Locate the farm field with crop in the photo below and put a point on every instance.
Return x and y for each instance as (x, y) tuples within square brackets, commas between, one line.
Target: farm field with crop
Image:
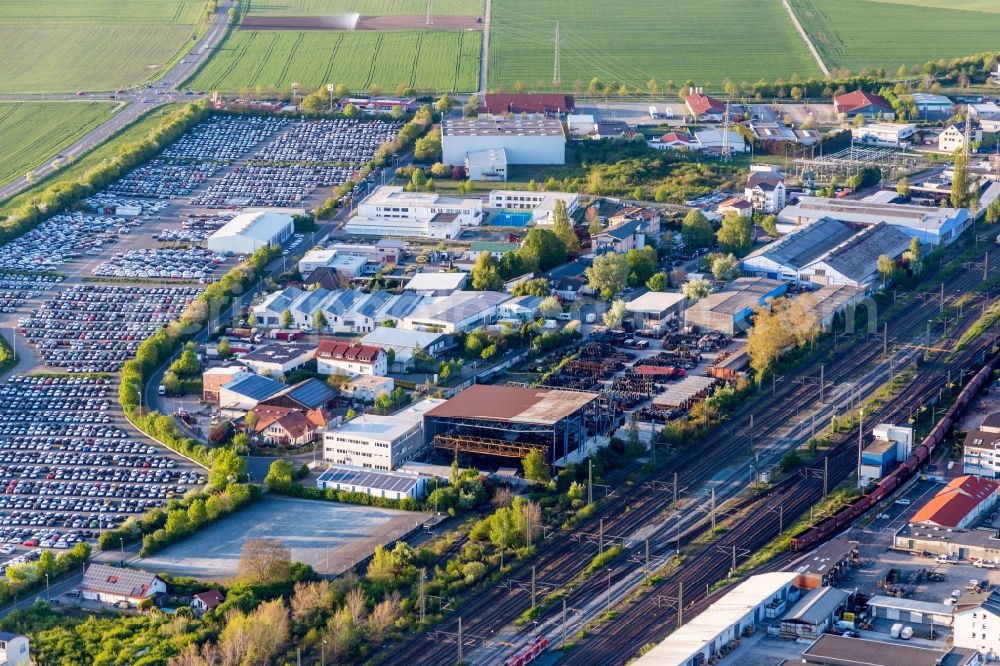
[(861, 34), (705, 41), (274, 59), (31, 132), (366, 7), (60, 46)]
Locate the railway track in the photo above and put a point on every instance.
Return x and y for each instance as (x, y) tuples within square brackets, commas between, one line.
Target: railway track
[(560, 560)]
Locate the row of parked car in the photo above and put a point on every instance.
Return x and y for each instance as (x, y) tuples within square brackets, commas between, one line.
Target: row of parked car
[(167, 264), (270, 185), (338, 141)]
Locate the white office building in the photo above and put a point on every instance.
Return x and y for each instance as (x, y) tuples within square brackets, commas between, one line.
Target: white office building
[(371, 441), (391, 211), (248, 232), (978, 627), (884, 134), (541, 204), (525, 140)]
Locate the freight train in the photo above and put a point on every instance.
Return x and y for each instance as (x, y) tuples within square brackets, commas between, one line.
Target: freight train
[(924, 452)]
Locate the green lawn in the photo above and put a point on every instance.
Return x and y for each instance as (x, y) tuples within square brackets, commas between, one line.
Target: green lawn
[(702, 40), (273, 59), (32, 132), (861, 34), (135, 131), (72, 45), (363, 7)]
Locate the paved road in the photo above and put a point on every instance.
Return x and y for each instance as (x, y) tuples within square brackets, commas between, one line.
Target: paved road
[(135, 102)]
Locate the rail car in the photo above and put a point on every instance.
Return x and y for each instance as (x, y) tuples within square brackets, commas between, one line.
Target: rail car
[(529, 653), (829, 526)]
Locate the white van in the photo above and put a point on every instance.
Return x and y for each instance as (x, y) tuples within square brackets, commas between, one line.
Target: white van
[(162, 390)]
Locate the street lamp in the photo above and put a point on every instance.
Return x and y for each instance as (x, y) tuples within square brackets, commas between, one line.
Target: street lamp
[(121, 540), (47, 597), (322, 653)]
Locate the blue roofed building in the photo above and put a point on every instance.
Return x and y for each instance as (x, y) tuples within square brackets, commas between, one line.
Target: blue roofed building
[(307, 395), (246, 393)]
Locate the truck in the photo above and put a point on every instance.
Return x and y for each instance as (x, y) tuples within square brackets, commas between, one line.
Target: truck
[(288, 335), (240, 332), (653, 113), (591, 318), (896, 630)]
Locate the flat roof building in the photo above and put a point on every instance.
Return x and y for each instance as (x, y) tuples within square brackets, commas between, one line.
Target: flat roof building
[(387, 485), (277, 359), (705, 635), (654, 309), (486, 165), (248, 232), (460, 311), (541, 204), (525, 140), (391, 211), (380, 442), (832, 650), (884, 134), (436, 284), (512, 421), (931, 225), (728, 310)]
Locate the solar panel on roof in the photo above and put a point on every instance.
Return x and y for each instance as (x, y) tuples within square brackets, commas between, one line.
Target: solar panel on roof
[(255, 387), (366, 479), (312, 393)]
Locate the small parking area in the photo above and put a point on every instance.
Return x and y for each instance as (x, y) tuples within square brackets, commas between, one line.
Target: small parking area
[(96, 328), (67, 466)]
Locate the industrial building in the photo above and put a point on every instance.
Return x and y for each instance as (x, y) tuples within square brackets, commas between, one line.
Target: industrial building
[(496, 248), (541, 204), (510, 422), (861, 102), (959, 504), (725, 621), (524, 139), (654, 309), (391, 211), (550, 103), (884, 134), (248, 232), (966, 545), (111, 585), (854, 262), (833, 650), (813, 614), (892, 445), (436, 284), (379, 442), (386, 485), (728, 310), (786, 257), (346, 310), (458, 312), (244, 393), (406, 344), (931, 225), (933, 107), (825, 565), (486, 165), (347, 265), (276, 359), (912, 611)]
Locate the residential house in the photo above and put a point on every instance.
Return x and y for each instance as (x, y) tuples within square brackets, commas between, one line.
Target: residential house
[(613, 129), (14, 649), (569, 281), (978, 627), (953, 137), (674, 141), (327, 278), (369, 387), (206, 601), (864, 103), (705, 109), (522, 308), (283, 426), (765, 188), (981, 453), (497, 249), (621, 239), (351, 359), (113, 585), (737, 205), (648, 217)]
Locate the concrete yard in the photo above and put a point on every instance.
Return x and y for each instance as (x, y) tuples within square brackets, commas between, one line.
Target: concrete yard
[(331, 537)]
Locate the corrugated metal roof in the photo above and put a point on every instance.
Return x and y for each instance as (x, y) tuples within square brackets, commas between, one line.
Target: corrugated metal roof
[(799, 248), (817, 606), (514, 404), (857, 257)]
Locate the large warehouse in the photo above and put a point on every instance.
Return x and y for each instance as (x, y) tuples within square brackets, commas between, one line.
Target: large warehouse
[(728, 310), (510, 422), (248, 232), (931, 225), (532, 140)]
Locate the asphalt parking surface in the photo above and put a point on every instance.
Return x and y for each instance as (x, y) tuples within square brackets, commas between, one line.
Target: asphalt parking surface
[(330, 537)]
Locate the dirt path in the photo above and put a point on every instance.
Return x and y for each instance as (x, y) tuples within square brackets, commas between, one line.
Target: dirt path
[(805, 37), (484, 59)]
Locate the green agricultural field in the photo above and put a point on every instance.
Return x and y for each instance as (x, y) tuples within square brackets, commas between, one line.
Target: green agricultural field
[(32, 132), (273, 59), (860, 34), (969, 5), (72, 45), (705, 41), (366, 7)]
